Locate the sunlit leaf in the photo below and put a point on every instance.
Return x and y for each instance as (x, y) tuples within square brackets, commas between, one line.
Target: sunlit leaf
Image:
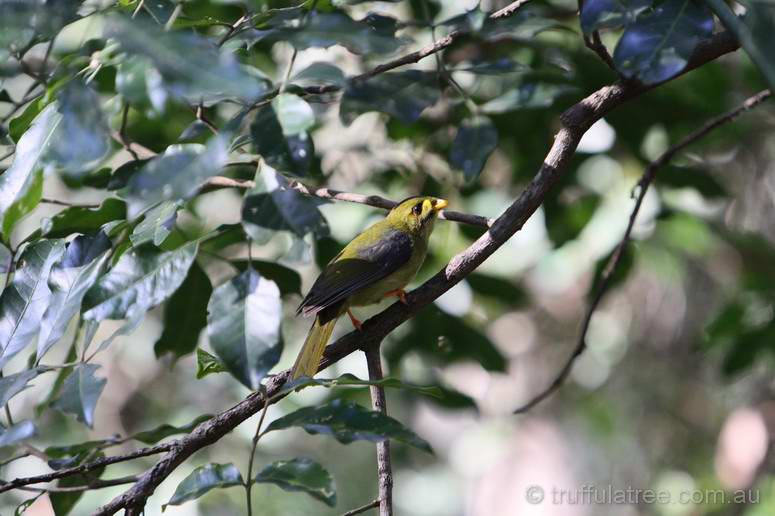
[(19, 432), (303, 475), (143, 278), (319, 74), (290, 153), (185, 315), (156, 225), (80, 393), (13, 384), (348, 422), (25, 300), (243, 325), (203, 479), (207, 364)]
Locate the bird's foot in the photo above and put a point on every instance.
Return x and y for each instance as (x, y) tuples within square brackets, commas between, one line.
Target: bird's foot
[(358, 324), (399, 293)]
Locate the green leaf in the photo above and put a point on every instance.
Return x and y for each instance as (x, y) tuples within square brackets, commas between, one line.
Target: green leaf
[(403, 95), (319, 74), (610, 14), (203, 479), (6, 259), (163, 431), (207, 364), (288, 280), (185, 315), (374, 34), (300, 474), (474, 142), (293, 113), (23, 303), (143, 278), (21, 186), (77, 219), (156, 225), (70, 278), (292, 153), (80, 393), (189, 66), (12, 385), (527, 96), (348, 380), (348, 422), (19, 125), (243, 325), (19, 432), (700, 180), (82, 137), (272, 205), (657, 46), (760, 20), (63, 503), (175, 175)]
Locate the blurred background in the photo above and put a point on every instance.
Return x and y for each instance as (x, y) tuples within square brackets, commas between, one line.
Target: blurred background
[(675, 389)]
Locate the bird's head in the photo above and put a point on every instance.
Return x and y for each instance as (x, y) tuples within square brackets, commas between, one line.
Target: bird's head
[(417, 214)]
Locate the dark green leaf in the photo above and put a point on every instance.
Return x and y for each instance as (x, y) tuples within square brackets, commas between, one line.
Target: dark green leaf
[(83, 220), (474, 142), (175, 175), (22, 304), (497, 288), (17, 433), (760, 20), (243, 325), (185, 314), (290, 153), (142, 278), (287, 279), (348, 422), (300, 474), (700, 180), (657, 45), (203, 479), (319, 74), (70, 278), (19, 125), (6, 260), (746, 347), (163, 431), (272, 205), (527, 96), (207, 364), (348, 380), (610, 14), (403, 95), (156, 225), (63, 503), (80, 393)]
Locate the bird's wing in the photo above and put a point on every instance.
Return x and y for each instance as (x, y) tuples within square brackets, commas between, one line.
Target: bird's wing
[(350, 272)]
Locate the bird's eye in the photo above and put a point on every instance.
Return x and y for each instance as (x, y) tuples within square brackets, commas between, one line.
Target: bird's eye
[(417, 208)]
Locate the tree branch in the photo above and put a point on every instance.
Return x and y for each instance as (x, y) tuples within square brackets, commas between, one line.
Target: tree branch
[(372, 504), (379, 403), (575, 121), (613, 262)]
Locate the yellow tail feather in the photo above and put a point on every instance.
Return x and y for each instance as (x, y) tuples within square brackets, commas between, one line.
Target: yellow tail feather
[(311, 352)]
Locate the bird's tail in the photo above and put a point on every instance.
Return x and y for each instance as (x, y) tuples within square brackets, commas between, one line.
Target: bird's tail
[(311, 352)]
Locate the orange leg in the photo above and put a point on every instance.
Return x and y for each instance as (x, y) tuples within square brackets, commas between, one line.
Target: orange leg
[(399, 293), (358, 324)]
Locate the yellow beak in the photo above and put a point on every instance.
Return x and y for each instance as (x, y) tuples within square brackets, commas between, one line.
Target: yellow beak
[(440, 204)]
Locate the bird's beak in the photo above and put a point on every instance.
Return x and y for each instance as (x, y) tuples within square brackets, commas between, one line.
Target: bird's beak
[(440, 204)]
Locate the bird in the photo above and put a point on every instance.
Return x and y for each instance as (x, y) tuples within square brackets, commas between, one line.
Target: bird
[(378, 263)]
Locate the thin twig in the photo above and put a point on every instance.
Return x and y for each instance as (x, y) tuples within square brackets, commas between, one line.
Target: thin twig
[(595, 44), (232, 29), (379, 403), (256, 437), (97, 484), (613, 262), (47, 200), (363, 508), (122, 136)]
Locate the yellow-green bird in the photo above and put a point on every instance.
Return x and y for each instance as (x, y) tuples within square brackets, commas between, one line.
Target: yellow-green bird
[(376, 264)]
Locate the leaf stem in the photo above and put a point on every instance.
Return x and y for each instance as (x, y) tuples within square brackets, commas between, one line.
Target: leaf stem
[(249, 477)]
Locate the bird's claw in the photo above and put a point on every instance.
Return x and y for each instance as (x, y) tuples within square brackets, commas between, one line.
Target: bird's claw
[(400, 294), (358, 324)]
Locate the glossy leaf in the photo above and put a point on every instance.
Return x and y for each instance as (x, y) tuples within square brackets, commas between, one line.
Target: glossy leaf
[(348, 422), (12, 385), (142, 278), (272, 205), (21, 186), (19, 432), (293, 113), (288, 280), (527, 96), (25, 300), (80, 393), (474, 142), (243, 325), (163, 431), (610, 14), (303, 475), (207, 364), (403, 95), (657, 47), (83, 261), (174, 175), (185, 315), (319, 74), (156, 225), (77, 219), (203, 479), (290, 153)]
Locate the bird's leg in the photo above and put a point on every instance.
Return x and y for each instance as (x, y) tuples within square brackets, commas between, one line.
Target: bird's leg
[(358, 324), (399, 293)]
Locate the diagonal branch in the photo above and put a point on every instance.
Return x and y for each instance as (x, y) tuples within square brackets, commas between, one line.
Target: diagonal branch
[(605, 279)]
